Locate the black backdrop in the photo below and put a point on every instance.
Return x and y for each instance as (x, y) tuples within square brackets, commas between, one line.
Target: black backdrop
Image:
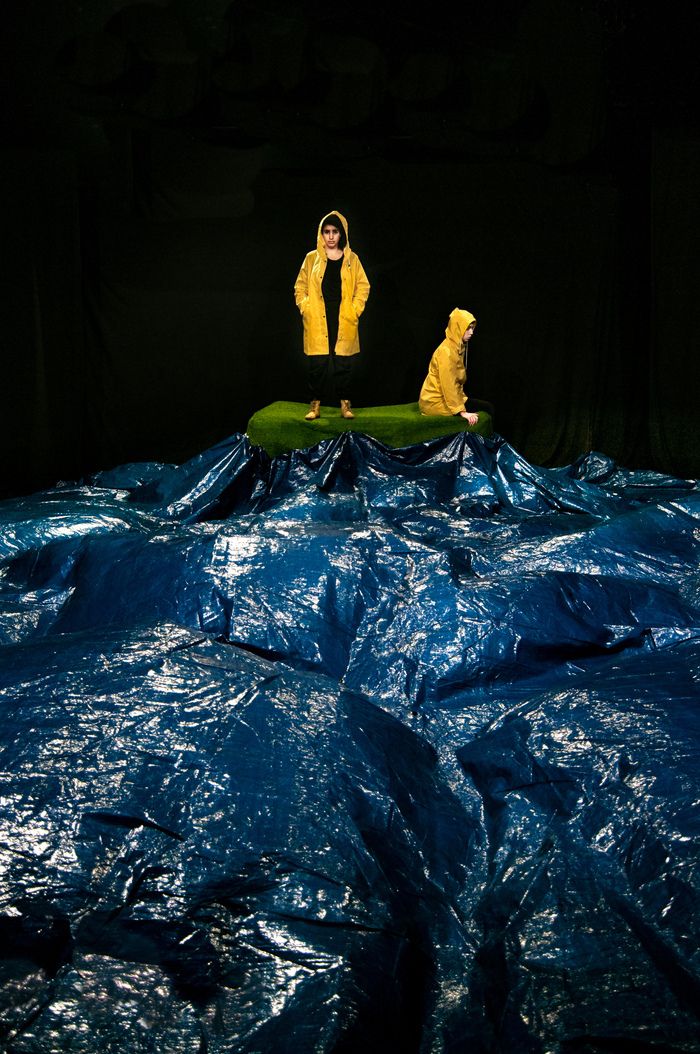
[(165, 165)]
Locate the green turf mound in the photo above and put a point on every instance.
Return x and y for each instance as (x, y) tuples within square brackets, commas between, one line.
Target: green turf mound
[(281, 426)]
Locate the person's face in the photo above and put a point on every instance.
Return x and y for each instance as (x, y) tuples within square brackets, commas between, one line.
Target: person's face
[(469, 333), (331, 236)]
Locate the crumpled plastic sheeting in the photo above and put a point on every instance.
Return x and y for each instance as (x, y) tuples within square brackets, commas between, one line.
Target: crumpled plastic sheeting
[(356, 748), (590, 807), (204, 845)]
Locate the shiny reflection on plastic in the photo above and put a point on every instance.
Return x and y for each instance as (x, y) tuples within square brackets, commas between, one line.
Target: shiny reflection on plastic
[(355, 748)]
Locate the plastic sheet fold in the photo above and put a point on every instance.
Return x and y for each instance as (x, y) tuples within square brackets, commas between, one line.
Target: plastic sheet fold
[(351, 749)]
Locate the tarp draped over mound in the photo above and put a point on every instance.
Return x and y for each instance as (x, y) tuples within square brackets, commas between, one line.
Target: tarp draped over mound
[(352, 749)]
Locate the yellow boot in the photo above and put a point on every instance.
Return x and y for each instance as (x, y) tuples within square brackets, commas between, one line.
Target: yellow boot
[(345, 410), (314, 410)]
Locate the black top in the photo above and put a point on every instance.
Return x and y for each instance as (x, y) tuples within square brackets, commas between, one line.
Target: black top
[(330, 286)]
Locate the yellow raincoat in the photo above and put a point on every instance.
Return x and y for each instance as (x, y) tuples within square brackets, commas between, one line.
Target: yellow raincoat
[(443, 392), (309, 298)]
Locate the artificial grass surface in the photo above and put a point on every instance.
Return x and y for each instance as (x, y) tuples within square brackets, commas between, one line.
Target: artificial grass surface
[(280, 426)]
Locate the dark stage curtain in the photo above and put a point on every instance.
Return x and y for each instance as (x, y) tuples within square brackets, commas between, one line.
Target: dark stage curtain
[(167, 168), (45, 386), (675, 364)]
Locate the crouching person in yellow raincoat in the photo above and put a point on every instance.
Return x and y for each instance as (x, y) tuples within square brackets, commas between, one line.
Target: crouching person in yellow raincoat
[(443, 391), (331, 291)]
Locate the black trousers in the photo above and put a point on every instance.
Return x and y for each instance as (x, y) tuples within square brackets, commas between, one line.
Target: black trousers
[(329, 377), (474, 405)]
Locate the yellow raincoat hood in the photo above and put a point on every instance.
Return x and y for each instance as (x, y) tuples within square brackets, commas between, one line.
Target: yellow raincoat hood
[(320, 246), (459, 322)]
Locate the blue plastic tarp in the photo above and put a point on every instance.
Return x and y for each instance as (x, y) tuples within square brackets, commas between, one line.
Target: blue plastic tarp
[(351, 749)]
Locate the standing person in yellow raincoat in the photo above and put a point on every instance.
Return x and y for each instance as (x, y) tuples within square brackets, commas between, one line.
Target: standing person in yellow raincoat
[(331, 291), (443, 392)]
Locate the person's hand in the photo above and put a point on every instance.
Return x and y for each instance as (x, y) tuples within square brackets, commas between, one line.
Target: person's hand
[(471, 419)]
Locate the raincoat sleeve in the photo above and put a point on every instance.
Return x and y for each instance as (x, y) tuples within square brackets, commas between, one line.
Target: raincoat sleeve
[(450, 383), (301, 286), (361, 290)]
